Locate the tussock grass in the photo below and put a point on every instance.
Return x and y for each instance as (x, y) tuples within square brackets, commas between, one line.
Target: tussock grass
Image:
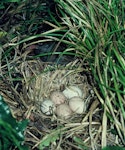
[(95, 31)]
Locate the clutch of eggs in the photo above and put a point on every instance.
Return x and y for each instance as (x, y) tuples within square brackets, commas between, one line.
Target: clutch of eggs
[(57, 103)]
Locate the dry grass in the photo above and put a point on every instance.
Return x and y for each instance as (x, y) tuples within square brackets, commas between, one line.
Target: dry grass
[(37, 81)]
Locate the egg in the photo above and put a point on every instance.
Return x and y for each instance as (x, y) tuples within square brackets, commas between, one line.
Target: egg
[(72, 91), (63, 111), (48, 107), (77, 105), (58, 97)]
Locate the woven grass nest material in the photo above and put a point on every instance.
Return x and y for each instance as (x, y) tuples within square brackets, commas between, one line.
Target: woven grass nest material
[(40, 83)]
